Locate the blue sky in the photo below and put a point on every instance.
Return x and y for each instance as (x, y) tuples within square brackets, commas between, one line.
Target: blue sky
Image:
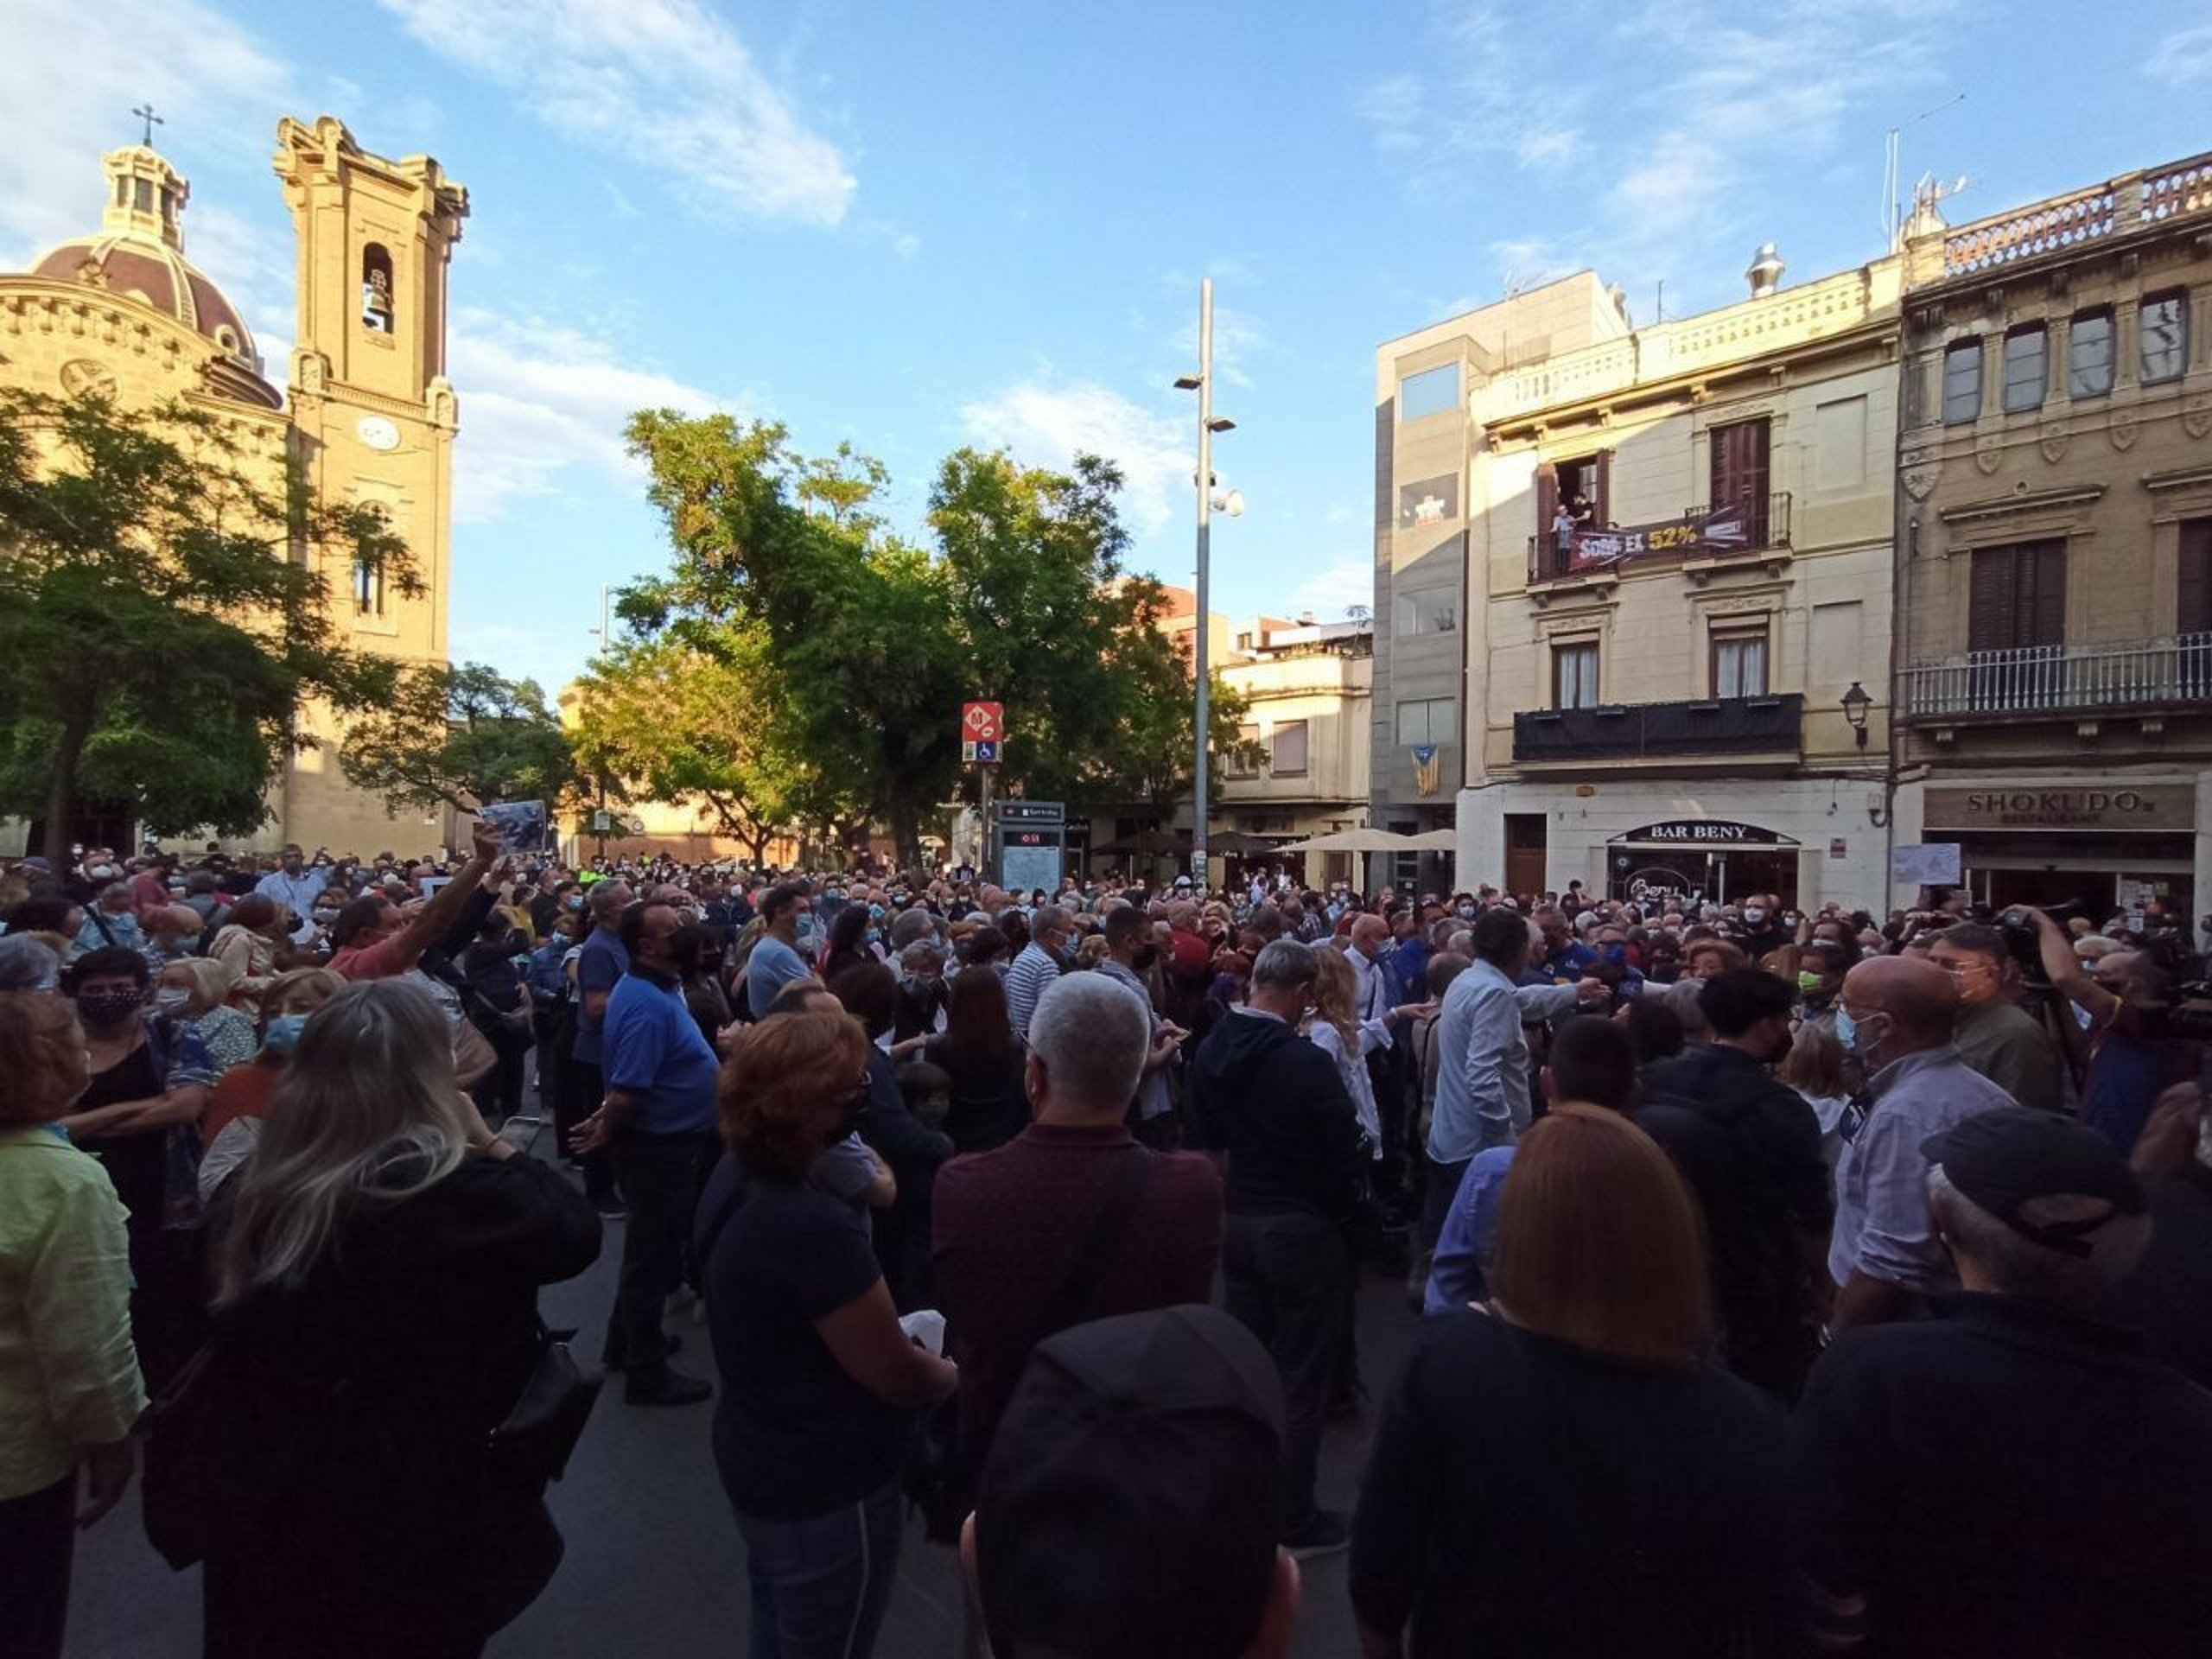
[(917, 226)]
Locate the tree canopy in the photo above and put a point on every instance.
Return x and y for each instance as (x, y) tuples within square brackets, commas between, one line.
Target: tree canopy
[(460, 736), (864, 644), (164, 615)]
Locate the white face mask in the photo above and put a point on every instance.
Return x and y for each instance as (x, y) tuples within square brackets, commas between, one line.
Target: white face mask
[(171, 999)]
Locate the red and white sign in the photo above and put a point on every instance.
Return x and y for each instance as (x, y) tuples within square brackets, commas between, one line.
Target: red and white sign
[(981, 723)]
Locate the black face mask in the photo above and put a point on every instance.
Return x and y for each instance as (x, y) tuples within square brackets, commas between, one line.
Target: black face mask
[(1145, 956)]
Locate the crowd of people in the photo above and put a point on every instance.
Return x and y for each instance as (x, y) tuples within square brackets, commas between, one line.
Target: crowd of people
[(1790, 1279)]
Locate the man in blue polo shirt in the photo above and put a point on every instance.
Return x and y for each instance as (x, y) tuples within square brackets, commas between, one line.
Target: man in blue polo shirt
[(657, 1123)]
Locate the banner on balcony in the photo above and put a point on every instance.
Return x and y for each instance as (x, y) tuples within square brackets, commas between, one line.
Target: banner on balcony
[(1425, 769), (1724, 530)]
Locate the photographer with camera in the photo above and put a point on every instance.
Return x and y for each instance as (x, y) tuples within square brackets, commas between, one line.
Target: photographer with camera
[(1996, 1036), (2136, 1050)]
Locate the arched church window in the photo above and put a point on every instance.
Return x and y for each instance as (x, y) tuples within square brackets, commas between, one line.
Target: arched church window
[(376, 289)]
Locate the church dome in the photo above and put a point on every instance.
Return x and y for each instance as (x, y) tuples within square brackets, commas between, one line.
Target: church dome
[(139, 253), (160, 276)]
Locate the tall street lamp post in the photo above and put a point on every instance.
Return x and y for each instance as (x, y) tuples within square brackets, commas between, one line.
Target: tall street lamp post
[(1209, 424)]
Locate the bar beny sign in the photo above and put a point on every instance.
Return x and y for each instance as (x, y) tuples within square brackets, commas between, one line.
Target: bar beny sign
[(1725, 530), (2145, 806)]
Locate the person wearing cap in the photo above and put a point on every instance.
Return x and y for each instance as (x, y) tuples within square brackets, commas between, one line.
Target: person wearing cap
[(1898, 1014), (1128, 1506), (2014, 1476)]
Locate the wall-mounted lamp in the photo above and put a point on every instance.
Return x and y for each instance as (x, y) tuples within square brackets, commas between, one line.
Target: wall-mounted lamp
[(1856, 702)]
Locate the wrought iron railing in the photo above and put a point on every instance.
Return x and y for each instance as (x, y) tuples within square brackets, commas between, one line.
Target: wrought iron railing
[(1767, 725), (2060, 680)]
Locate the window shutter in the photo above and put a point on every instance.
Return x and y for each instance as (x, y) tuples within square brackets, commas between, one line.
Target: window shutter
[(1989, 611), (2193, 609), (1603, 506), (2046, 623), (1547, 501)]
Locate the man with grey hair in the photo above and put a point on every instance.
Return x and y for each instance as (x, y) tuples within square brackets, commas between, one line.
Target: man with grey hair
[(1278, 1107), (1072, 1220), (1042, 960), (2013, 1475)]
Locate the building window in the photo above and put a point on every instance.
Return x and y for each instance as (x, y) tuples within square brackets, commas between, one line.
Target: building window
[(1432, 611), (2089, 355), (376, 289), (368, 586), (1244, 760), (2193, 613), (1287, 754), (2018, 597), (1963, 382), (1430, 392), (2027, 367), (1424, 721), (1429, 501), (1575, 675), (1740, 474), (1739, 664), (2162, 327), (142, 195)]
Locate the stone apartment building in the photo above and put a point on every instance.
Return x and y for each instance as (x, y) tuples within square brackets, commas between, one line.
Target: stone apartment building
[(2054, 694), (1676, 564)]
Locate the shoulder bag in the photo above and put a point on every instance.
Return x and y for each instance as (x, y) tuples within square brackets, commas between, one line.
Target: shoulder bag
[(532, 1445)]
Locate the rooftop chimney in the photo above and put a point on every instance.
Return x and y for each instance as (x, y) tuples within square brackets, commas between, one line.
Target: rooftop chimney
[(1764, 273)]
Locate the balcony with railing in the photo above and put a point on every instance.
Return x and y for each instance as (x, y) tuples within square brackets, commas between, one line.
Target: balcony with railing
[(1660, 731), (1763, 528), (2035, 681), (2096, 214)]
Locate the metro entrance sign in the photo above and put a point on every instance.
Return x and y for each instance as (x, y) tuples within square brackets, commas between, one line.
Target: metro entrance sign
[(983, 729)]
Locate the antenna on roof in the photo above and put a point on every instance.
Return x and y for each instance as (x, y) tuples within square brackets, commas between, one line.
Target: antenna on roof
[(1892, 214)]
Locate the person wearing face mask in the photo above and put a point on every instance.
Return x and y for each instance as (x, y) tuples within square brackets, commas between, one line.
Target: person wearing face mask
[(1996, 1036), (1899, 1015), (231, 1127), (1132, 953), (140, 1117), (195, 992), (111, 920), (1749, 1148), (1051, 932), (172, 934), (655, 1124)]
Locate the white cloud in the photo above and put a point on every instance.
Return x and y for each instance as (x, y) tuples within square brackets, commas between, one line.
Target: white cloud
[(664, 83), (68, 93), (1046, 425), (1328, 592), (539, 398), (2183, 56)]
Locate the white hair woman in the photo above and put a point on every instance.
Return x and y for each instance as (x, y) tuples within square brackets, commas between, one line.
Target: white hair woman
[(376, 1316), (195, 991)]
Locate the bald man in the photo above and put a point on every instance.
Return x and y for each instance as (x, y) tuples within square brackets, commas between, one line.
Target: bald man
[(1898, 1014)]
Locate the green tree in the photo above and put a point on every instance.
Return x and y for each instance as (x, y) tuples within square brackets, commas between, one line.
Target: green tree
[(666, 720), (164, 616), (460, 736)]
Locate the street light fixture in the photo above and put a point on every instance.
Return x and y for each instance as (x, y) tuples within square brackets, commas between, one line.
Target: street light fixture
[(1856, 702), (1209, 424)]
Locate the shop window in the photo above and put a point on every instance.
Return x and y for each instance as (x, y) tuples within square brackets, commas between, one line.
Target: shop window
[(2027, 367), (1739, 663), (1432, 611), (1575, 675), (1428, 501), (1739, 473), (1431, 392), (1243, 761), (2089, 355), (1963, 382), (376, 289), (1424, 721), (1287, 754), (2161, 328)]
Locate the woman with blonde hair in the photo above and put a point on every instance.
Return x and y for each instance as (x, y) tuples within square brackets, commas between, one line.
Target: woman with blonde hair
[(246, 942), (376, 1318), (195, 992), (1814, 1067), (231, 1124), (820, 1385), (1564, 1472), (1338, 1032)]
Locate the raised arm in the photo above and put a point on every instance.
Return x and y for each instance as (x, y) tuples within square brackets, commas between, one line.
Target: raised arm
[(428, 924)]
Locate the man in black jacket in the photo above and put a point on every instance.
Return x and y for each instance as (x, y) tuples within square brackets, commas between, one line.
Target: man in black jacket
[(1750, 1148), (1277, 1106)]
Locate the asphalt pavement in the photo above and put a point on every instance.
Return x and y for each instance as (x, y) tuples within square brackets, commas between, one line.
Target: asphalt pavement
[(654, 1564)]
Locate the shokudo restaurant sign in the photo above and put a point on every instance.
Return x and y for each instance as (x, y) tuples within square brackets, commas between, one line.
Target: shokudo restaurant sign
[(1724, 530), (2144, 806)]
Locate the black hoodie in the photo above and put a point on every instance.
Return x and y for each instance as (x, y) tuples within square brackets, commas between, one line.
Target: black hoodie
[(1275, 1104)]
